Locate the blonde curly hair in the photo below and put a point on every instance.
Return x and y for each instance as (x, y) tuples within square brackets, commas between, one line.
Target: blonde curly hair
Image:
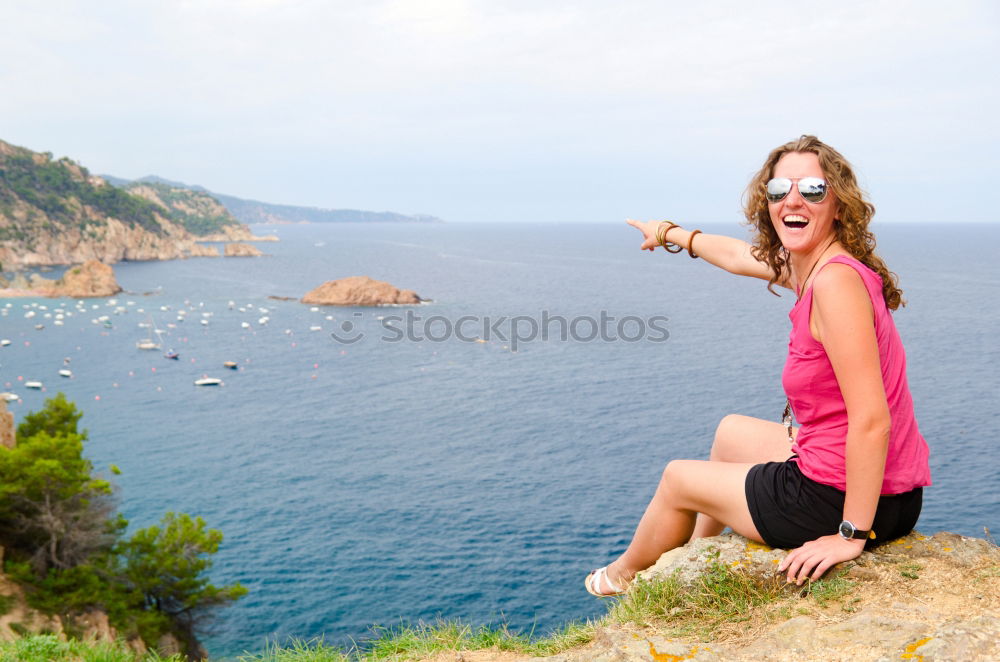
[(851, 224)]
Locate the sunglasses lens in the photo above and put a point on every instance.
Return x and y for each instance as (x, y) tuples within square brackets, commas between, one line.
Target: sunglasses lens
[(812, 189), (778, 188)]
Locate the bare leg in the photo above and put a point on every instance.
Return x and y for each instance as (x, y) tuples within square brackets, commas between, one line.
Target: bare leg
[(697, 498), (688, 487), (748, 440)]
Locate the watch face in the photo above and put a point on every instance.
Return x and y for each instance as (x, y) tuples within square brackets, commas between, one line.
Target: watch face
[(846, 529)]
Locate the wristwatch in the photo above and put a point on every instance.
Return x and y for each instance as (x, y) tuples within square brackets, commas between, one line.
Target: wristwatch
[(848, 531)]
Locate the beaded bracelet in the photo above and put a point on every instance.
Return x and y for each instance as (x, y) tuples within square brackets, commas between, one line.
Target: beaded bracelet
[(661, 237), (691, 243)]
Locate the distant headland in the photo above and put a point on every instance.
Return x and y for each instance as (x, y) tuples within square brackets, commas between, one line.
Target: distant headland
[(255, 211), (55, 212)]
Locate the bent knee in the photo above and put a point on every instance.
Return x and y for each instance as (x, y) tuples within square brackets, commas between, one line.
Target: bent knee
[(730, 431), (677, 472)]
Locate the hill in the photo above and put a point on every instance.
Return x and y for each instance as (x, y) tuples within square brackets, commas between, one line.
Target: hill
[(255, 211), (54, 211), (197, 212)]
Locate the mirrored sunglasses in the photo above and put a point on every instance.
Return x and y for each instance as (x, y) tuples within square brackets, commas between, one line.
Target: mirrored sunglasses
[(812, 189)]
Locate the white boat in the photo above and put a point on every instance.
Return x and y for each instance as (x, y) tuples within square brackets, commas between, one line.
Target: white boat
[(66, 372), (35, 385), (149, 343), (208, 381), (7, 396), (4, 342)]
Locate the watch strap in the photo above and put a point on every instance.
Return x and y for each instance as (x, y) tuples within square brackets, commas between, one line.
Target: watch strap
[(856, 533)]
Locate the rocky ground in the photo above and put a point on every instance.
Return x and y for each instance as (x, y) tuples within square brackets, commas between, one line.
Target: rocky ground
[(918, 598)]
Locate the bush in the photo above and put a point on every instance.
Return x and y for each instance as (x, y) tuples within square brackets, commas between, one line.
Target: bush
[(64, 541)]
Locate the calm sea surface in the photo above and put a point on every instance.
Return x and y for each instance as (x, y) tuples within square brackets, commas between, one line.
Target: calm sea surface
[(381, 480)]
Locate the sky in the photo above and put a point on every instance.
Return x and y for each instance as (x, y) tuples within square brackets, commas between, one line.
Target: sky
[(510, 110)]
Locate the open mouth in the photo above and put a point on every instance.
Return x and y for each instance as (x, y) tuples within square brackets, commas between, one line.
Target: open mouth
[(793, 221)]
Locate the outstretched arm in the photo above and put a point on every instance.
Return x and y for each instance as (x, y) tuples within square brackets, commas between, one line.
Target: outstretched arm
[(727, 253), (844, 323)]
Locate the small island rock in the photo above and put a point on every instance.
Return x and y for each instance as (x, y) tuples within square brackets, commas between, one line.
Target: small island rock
[(238, 249), (202, 250), (91, 279), (359, 291)]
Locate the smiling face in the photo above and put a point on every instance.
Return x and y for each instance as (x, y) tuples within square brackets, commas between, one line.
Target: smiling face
[(801, 225)]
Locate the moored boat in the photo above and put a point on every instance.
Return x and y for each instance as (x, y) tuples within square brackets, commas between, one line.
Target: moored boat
[(208, 381)]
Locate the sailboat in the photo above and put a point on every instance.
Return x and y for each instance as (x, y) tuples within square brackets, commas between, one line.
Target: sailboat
[(149, 343)]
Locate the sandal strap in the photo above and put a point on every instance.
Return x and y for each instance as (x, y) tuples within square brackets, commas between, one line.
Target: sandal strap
[(602, 574)]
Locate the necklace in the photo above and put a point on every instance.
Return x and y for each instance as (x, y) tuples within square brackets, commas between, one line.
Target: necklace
[(802, 288), (786, 416)]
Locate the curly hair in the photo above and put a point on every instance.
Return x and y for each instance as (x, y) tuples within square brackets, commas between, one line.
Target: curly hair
[(851, 225)]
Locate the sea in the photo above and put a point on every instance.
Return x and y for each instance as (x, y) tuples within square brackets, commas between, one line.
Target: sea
[(472, 457)]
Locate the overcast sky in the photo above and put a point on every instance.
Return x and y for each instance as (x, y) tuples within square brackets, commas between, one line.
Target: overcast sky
[(506, 110)]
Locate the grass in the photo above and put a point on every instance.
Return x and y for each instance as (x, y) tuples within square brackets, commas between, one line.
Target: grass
[(831, 589), (414, 642), (723, 600), (48, 648), (720, 596)]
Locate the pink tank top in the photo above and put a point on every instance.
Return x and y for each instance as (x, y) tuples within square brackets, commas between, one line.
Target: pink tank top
[(819, 408)]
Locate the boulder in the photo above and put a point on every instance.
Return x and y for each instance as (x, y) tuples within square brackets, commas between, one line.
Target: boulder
[(91, 279), (359, 291)]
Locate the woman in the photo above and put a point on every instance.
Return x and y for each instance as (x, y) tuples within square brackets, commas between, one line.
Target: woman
[(852, 474)]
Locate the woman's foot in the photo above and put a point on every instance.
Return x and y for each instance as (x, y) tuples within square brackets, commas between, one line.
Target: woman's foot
[(599, 583)]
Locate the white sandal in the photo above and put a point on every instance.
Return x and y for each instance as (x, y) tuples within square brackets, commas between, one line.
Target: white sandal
[(594, 580)]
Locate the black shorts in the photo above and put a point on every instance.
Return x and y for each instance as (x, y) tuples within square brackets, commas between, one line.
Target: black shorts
[(790, 509)]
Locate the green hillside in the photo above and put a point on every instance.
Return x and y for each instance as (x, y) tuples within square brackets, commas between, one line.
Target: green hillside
[(196, 211), (41, 194)]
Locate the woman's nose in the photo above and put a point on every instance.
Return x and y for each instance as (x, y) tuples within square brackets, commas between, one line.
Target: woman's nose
[(794, 199)]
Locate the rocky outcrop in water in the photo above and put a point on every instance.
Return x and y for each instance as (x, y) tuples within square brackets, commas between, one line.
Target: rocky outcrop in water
[(242, 250), (91, 279), (359, 291), (202, 250)]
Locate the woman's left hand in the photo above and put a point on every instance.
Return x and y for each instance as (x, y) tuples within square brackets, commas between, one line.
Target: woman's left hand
[(815, 557)]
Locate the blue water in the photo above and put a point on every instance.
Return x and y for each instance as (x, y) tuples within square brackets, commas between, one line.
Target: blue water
[(377, 481)]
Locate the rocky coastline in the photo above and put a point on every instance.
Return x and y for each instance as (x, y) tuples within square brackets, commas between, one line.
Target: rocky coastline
[(91, 279)]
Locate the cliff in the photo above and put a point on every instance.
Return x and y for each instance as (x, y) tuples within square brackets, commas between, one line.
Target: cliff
[(19, 620), (53, 212), (917, 598)]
